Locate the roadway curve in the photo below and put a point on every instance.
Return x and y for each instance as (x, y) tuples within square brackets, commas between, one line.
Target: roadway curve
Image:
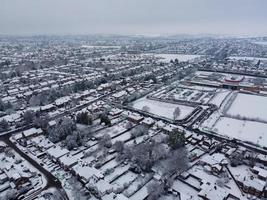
[(52, 181)]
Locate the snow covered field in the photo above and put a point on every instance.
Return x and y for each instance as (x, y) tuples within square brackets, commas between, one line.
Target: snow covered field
[(162, 109), (261, 43), (169, 57), (246, 58), (249, 106), (99, 47), (254, 132), (243, 106), (180, 57)]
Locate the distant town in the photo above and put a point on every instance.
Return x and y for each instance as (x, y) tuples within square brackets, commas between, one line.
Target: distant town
[(115, 117)]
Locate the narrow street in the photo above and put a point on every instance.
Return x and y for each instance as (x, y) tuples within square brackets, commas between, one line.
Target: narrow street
[(52, 181)]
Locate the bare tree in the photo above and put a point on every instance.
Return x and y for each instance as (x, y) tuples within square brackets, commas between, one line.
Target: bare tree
[(4, 125), (8, 152), (42, 122), (155, 190), (146, 108), (28, 117), (73, 140), (64, 127), (105, 119), (119, 146), (176, 162), (105, 141), (5, 106), (146, 154), (176, 139), (139, 131), (129, 125), (176, 113), (10, 194), (84, 118)]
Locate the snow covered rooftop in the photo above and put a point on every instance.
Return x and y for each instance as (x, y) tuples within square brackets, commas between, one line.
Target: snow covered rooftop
[(56, 151), (87, 172), (32, 131)]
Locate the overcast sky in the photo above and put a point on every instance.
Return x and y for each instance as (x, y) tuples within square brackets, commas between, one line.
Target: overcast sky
[(149, 17)]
